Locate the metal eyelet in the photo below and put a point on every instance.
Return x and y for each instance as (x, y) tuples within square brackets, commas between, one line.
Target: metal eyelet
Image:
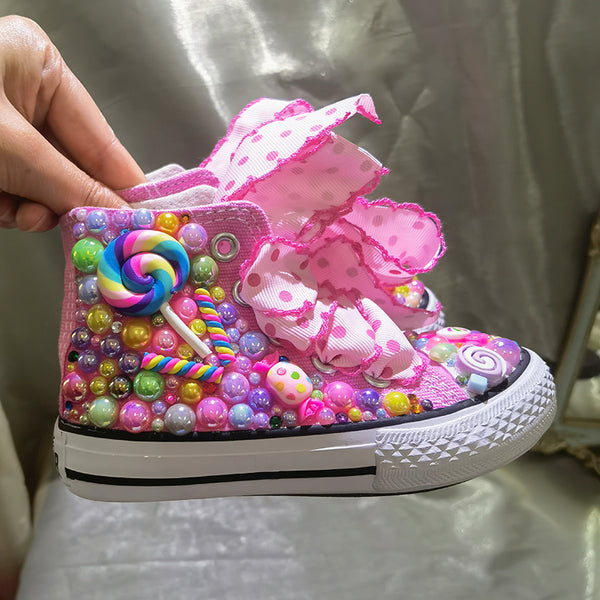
[(378, 383), (233, 250), (323, 367), (235, 292)]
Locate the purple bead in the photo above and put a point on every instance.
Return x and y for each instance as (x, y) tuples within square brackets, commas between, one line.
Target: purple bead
[(368, 399), (254, 378), (260, 421), (193, 237), (234, 387), (254, 345), (79, 230), (233, 334), (339, 394), (159, 407), (228, 313), (81, 338), (242, 325), (88, 361), (142, 219), (121, 218), (129, 363), (341, 417), (426, 404), (110, 346), (243, 364), (507, 349), (211, 413), (87, 290), (261, 399), (96, 221)]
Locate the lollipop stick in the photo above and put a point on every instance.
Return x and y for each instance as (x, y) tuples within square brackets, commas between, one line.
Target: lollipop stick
[(182, 329)]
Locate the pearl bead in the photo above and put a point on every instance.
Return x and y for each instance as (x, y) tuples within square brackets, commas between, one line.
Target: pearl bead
[(86, 254), (103, 412), (134, 416), (396, 403), (148, 385), (211, 413)]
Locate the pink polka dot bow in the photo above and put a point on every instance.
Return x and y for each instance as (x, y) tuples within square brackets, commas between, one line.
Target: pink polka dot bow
[(323, 280)]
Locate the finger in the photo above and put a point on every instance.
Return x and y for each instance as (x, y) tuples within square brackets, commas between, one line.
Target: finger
[(8, 211), (32, 168), (83, 131), (34, 217)]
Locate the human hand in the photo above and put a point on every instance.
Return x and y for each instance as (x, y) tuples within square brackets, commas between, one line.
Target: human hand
[(44, 107)]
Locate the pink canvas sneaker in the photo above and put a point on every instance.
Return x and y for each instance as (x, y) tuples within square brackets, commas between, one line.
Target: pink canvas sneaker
[(255, 326)]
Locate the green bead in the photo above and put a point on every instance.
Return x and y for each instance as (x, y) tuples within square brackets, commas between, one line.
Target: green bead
[(442, 352), (73, 356), (103, 412), (275, 422), (204, 270), (148, 385), (317, 395), (86, 254)]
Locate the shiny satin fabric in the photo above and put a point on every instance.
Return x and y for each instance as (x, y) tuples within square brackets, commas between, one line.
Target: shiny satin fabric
[(489, 116)]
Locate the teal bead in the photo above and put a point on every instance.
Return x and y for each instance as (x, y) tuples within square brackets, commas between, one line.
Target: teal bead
[(148, 385), (86, 254), (204, 270), (103, 412), (442, 352)]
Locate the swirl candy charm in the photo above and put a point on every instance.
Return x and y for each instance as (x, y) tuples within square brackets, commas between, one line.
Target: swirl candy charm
[(182, 368), (140, 271), (214, 326), (483, 362)]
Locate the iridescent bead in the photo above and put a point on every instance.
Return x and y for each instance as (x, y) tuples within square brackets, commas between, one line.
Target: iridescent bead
[(254, 378), (242, 325), (88, 361), (80, 214), (190, 392), (193, 237), (289, 418), (103, 412), (355, 414), (339, 395), (80, 315), (129, 363), (87, 290), (96, 221), (341, 417), (171, 382), (99, 318), (98, 386), (116, 327), (235, 347), (234, 387), (240, 416), (510, 351), (380, 413), (110, 346), (275, 421), (427, 404), (157, 320), (396, 403), (368, 399), (233, 334), (211, 413), (84, 420), (185, 308), (413, 299), (168, 223), (243, 364), (108, 368), (462, 379), (416, 286), (254, 345), (368, 416), (159, 407), (260, 399), (185, 351), (79, 231), (180, 419), (217, 294), (148, 385), (164, 341), (171, 398), (228, 313), (198, 326), (74, 387), (317, 381), (73, 356), (81, 338), (442, 352), (203, 270), (157, 425), (326, 417), (260, 421), (86, 254), (120, 387), (142, 218), (108, 237), (134, 416), (317, 395), (136, 333), (121, 218)]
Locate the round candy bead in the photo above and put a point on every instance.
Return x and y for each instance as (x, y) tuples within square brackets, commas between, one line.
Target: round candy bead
[(260, 421), (317, 395), (217, 294), (103, 412), (203, 270), (129, 363), (193, 237), (167, 222), (157, 425), (339, 395), (234, 387), (74, 387), (79, 230), (477, 337), (136, 333), (159, 407), (233, 334), (98, 386), (510, 351), (368, 399), (254, 345), (99, 318), (120, 387), (396, 403), (190, 392), (81, 338), (80, 314), (142, 218), (108, 368), (442, 352), (88, 360), (242, 325), (416, 286), (121, 218), (243, 364), (96, 221), (355, 414), (289, 383), (211, 413), (240, 416), (86, 254), (164, 341), (228, 313), (185, 308), (254, 378), (198, 326), (110, 346), (134, 416), (326, 417), (87, 290), (180, 419), (275, 421), (260, 399), (148, 385), (185, 351)]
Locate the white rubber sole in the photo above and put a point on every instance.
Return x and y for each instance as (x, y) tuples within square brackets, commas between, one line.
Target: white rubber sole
[(409, 457)]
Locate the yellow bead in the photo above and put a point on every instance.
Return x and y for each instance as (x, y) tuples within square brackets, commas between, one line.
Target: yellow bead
[(136, 333), (98, 386), (355, 414), (198, 326), (401, 290), (396, 403), (99, 318), (108, 368), (70, 367), (217, 294), (185, 351), (167, 222), (190, 392)]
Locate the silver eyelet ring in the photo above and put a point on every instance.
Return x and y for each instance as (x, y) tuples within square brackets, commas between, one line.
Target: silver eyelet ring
[(235, 292), (321, 366), (378, 383), (233, 250)]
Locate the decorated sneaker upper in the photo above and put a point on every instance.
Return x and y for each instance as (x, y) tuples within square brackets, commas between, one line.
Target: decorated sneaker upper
[(184, 318)]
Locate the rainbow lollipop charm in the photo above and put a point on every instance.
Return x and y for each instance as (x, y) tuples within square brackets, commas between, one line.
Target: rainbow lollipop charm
[(140, 271), (217, 334)]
